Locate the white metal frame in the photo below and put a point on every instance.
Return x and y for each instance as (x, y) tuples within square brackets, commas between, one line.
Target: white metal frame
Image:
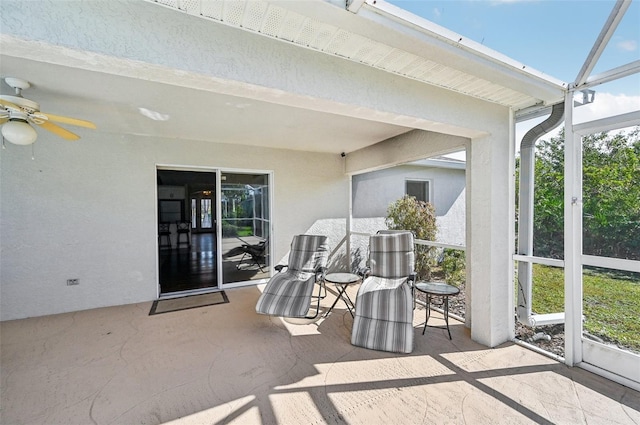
[(618, 365), (221, 171), (613, 363)]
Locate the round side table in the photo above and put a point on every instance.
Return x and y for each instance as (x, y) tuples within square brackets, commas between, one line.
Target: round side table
[(343, 280), (437, 289)]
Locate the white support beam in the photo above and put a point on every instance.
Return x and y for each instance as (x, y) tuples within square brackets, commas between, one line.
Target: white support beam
[(606, 124), (572, 238), (613, 74), (608, 29)]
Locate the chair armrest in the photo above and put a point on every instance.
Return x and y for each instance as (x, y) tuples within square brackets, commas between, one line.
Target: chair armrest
[(280, 267), (364, 271), (320, 273)]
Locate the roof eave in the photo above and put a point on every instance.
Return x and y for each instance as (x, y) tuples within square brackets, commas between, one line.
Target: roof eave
[(480, 60)]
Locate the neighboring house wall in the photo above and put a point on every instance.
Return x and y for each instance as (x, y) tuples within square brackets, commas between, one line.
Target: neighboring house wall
[(373, 192), (87, 210)]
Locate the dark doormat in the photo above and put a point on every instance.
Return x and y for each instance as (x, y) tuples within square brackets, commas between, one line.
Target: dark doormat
[(185, 303)]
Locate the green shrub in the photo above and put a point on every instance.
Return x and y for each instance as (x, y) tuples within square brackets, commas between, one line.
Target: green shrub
[(453, 265), (419, 217)]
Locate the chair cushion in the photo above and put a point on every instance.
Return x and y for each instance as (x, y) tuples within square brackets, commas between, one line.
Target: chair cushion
[(308, 252), (391, 255), (384, 315), (396, 337), (385, 299), (287, 294)]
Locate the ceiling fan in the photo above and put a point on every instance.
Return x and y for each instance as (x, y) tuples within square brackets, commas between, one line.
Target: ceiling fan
[(17, 113)]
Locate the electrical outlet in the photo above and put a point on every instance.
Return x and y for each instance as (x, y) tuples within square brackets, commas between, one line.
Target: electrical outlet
[(71, 282)]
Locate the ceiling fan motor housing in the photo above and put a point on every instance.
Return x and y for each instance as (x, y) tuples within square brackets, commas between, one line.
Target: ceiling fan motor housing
[(28, 106)]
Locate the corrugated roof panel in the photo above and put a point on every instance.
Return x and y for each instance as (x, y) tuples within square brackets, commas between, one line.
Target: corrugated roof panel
[(308, 32), (372, 52), (192, 7), (291, 26), (254, 15), (337, 44), (324, 35), (273, 20), (412, 66), (388, 59), (400, 61), (233, 11), (170, 3), (212, 9)]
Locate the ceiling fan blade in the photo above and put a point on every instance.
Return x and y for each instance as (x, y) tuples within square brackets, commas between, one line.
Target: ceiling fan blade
[(4, 120), (59, 131), (69, 120), (12, 105)]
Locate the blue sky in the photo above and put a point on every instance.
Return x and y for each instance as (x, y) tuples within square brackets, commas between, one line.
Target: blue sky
[(551, 36)]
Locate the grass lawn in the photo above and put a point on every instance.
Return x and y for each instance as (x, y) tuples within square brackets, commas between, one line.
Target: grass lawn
[(611, 302), (245, 231)]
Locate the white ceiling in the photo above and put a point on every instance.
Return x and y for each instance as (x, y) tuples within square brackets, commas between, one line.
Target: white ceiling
[(112, 102)]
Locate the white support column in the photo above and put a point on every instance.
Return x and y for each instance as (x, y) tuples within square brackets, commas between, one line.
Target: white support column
[(349, 226), (490, 237), (572, 238)]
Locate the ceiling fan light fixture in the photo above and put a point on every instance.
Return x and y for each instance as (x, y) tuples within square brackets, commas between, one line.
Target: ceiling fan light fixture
[(19, 132)]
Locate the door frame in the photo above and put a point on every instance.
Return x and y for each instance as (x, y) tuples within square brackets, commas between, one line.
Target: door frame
[(270, 182), (218, 171)]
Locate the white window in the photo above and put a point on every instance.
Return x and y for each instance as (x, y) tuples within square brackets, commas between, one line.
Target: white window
[(420, 189)]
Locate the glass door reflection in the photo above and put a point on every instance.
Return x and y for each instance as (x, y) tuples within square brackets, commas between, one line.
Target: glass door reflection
[(244, 208)]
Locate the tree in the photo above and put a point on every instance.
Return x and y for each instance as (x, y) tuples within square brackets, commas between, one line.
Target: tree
[(611, 195), (419, 217)]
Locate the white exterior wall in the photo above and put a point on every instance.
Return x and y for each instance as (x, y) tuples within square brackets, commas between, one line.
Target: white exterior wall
[(87, 210)]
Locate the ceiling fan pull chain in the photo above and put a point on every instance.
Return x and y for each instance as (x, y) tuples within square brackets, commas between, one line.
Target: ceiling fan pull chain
[(33, 151), (3, 147)]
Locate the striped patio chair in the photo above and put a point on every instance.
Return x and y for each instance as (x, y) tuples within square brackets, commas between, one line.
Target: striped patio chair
[(289, 292), (384, 303)]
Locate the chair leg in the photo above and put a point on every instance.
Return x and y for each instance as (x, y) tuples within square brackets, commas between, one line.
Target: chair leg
[(319, 297), (241, 260), (254, 259), (257, 261)]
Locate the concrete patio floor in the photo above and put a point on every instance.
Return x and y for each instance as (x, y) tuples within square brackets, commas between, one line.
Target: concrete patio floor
[(226, 364)]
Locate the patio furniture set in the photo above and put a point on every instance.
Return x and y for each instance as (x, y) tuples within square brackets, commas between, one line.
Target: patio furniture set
[(384, 304)]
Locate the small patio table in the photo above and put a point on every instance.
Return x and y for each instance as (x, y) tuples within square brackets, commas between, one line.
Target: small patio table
[(343, 280), (437, 289)]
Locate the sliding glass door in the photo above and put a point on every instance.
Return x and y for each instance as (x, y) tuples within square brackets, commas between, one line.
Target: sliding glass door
[(245, 226)]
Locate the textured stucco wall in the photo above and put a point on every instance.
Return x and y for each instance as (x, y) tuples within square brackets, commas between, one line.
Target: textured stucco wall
[(373, 192), (87, 210)]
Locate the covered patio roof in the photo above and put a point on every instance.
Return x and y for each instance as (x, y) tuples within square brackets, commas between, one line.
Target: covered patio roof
[(226, 364), (161, 71)]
